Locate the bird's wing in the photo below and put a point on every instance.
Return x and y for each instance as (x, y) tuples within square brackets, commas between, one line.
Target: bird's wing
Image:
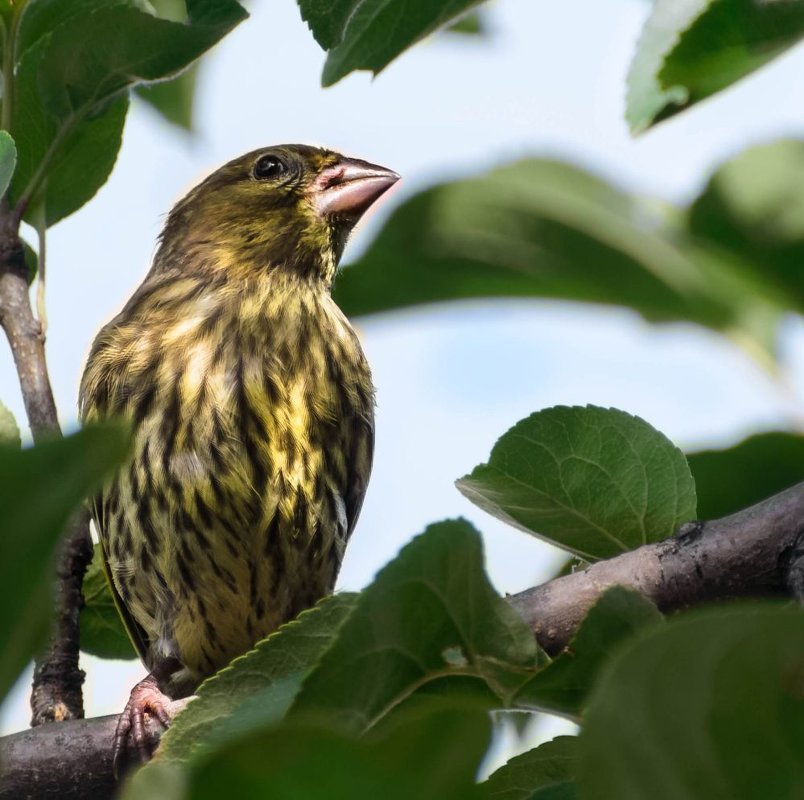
[(359, 470), (136, 634)]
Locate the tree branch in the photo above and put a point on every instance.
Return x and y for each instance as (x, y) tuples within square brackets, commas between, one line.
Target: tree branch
[(752, 552), (745, 554), (71, 761), (57, 678)]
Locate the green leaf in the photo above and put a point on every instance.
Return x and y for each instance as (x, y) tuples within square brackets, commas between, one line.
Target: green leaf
[(39, 489), (688, 51), (594, 481), (174, 99), (86, 152), (72, 86), (8, 160), (9, 430), (739, 476), (122, 46), (754, 205), (563, 686), (539, 228), (544, 773), (42, 17), (429, 615), (708, 706), (428, 756), (369, 34), (257, 688), (102, 631)]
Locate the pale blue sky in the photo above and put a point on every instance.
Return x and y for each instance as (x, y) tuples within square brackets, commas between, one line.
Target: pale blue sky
[(548, 81)]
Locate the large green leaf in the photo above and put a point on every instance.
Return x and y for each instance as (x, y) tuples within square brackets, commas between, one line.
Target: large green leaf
[(544, 773), (39, 489), (83, 159), (256, 689), (429, 755), (72, 84), (430, 615), (739, 476), (709, 706), (102, 631), (369, 34), (540, 228), (594, 481), (563, 686), (754, 205), (688, 51)]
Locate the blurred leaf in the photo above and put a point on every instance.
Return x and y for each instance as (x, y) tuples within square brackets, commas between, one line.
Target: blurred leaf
[(427, 756), (539, 228), (39, 489), (594, 481), (102, 631), (369, 34), (173, 99), (9, 430), (737, 477), (72, 87), (471, 24), (563, 686), (257, 688), (688, 51), (754, 205), (708, 706), (8, 160), (430, 614), (543, 773)]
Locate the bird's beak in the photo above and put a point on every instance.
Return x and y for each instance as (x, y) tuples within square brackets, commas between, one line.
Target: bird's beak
[(349, 187)]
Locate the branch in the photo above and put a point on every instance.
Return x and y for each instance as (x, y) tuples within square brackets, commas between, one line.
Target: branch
[(746, 554), (753, 552), (71, 761), (57, 679)]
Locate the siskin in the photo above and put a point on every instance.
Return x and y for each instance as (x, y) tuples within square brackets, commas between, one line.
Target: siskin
[(253, 411)]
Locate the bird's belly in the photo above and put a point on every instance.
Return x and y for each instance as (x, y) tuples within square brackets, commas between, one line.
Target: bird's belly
[(227, 526)]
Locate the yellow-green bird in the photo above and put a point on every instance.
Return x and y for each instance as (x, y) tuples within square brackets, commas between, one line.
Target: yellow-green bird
[(253, 411)]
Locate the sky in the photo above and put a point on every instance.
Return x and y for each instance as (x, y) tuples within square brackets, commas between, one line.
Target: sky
[(548, 80)]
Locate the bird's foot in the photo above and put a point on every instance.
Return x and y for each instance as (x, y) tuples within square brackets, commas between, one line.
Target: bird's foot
[(146, 699)]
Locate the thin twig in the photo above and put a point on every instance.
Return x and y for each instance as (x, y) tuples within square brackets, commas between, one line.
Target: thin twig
[(57, 678)]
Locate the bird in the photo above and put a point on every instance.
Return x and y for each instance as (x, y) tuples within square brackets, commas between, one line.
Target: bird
[(252, 409)]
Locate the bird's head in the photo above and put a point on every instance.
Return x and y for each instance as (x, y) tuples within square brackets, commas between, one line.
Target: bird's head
[(289, 207)]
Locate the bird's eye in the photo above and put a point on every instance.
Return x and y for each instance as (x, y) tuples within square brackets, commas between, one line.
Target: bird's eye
[(268, 167)]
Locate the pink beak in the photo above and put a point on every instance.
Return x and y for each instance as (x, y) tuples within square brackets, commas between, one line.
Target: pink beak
[(349, 187)]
